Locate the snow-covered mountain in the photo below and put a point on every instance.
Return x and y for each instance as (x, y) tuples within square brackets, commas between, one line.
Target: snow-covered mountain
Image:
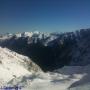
[(13, 65), (19, 71), (51, 50)]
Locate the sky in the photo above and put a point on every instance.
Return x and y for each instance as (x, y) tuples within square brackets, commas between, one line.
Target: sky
[(44, 15)]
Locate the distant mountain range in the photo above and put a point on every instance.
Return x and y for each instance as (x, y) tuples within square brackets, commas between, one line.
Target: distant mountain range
[(51, 50)]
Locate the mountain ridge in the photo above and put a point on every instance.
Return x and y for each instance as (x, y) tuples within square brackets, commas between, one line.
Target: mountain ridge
[(54, 50)]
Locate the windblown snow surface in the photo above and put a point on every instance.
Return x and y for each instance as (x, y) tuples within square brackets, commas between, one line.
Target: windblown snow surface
[(16, 69)]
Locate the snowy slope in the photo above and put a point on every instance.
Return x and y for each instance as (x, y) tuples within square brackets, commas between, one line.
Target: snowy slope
[(15, 70), (13, 65), (67, 78)]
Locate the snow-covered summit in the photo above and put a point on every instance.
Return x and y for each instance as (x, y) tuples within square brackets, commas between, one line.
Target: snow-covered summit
[(35, 34)]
